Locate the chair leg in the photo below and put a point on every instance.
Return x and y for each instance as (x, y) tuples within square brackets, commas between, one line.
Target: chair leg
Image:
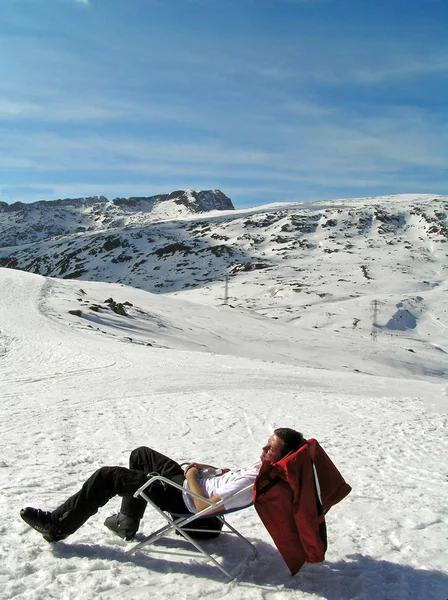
[(207, 555), (173, 525), (163, 531), (151, 538), (179, 525), (236, 532)]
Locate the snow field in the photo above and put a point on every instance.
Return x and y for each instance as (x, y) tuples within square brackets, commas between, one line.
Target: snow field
[(75, 398)]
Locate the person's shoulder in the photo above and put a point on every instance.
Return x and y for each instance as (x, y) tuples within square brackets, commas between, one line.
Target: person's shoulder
[(252, 470), (255, 465)]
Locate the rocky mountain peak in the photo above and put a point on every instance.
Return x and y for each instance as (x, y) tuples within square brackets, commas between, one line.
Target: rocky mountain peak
[(22, 223), (45, 205), (195, 202)]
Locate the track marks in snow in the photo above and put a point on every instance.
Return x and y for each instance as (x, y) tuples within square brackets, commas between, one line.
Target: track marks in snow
[(75, 402)]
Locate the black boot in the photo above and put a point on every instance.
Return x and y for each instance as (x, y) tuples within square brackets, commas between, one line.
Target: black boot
[(42, 521), (123, 525)]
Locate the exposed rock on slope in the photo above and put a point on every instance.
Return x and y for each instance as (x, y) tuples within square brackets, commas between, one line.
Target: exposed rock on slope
[(26, 223), (302, 252)]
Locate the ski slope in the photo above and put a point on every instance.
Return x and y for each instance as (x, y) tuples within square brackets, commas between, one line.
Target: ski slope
[(211, 383)]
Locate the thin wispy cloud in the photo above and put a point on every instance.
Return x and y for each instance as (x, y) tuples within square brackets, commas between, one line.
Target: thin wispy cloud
[(397, 68), (272, 100)]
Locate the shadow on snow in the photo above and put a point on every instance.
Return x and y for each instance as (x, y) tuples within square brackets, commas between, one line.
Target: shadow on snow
[(355, 577)]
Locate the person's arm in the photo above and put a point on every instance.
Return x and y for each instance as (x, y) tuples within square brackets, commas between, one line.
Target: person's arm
[(193, 486), (202, 466)]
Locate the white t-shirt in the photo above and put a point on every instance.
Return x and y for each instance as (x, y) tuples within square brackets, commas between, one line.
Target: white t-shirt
[(224, 486)]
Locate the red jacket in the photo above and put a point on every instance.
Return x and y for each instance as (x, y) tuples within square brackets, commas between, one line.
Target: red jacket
[(291, 497)]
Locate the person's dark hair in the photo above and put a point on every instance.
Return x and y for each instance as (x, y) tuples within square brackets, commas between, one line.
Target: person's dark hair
[(292, 439)]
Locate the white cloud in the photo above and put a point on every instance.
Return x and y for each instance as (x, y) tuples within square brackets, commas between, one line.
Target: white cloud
[(382, 69), (367, 152), (11, 109)]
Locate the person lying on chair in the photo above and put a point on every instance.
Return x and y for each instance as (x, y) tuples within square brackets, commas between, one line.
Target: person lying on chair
[(107, 482)]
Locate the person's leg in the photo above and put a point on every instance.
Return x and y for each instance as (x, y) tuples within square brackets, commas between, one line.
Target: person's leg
[(147, 460), (96, 491), (150, 461), (99, 488), (103, 485)]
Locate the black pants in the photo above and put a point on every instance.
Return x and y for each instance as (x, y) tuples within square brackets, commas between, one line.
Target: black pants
[(108, 482)]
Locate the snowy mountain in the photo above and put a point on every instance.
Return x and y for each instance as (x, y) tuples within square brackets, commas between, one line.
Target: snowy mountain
[(26, 223), (373, 266), (335, 324), (161, 244)]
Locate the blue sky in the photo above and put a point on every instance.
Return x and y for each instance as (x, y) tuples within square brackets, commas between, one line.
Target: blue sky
[(267, 100)]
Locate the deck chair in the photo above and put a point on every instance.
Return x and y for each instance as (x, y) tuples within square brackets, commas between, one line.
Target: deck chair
[(184, 524)]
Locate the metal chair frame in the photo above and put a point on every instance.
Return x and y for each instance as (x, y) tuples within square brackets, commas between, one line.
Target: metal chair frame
[(180, 523)]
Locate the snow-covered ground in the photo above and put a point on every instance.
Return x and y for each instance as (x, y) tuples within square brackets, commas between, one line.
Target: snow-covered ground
[(211, 383)]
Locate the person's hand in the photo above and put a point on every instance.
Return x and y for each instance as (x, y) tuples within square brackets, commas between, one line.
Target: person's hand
[(195, 465), (203, 467), (191, 471)]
